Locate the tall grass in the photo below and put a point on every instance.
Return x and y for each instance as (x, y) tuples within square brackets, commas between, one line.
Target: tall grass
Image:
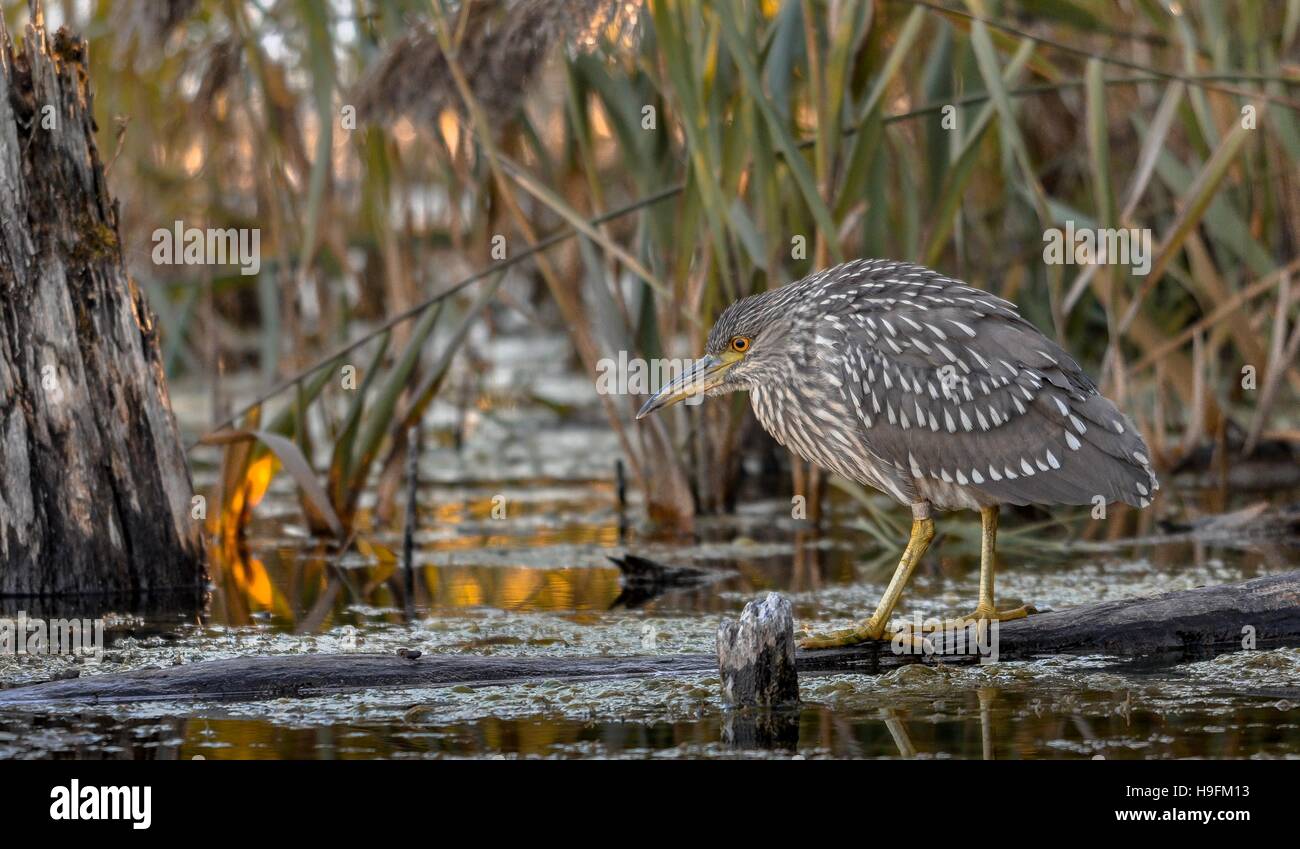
[(770, 139)]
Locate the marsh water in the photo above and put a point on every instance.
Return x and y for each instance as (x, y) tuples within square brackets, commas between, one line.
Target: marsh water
[(516, 525)]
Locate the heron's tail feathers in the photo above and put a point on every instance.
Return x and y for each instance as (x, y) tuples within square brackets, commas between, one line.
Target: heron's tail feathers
[(1113, 457)]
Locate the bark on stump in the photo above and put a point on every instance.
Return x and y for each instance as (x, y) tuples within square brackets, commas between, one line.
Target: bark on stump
[(94, 489), (760, 685)]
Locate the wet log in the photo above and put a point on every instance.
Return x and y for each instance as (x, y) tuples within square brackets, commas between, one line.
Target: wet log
[(1196, 623), (95, 494), (635, 571), (644, 579), (249, 678)]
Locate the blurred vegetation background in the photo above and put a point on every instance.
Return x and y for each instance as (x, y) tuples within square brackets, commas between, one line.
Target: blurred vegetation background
[(403, 160)]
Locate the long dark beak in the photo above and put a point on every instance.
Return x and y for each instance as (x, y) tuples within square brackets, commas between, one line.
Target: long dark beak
[(703, 374)]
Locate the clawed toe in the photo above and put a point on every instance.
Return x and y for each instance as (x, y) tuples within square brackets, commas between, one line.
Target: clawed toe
[(902, 641), (864, 632), (976, 617)]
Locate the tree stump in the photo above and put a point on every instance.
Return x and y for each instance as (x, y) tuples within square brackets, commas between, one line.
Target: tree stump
[(95, 495), (760, 686), (756, 655)]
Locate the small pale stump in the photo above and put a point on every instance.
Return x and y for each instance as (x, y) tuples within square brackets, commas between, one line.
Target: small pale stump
[(760, 685)]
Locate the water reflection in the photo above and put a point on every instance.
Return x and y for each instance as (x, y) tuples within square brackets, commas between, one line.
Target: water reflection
[(307, 588), (978, 723)]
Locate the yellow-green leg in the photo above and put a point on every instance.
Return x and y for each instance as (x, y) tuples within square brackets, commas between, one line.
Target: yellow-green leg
[(874, 628), (985, 610)]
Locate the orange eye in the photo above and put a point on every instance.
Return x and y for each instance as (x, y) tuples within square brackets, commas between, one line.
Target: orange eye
[(740, 344)]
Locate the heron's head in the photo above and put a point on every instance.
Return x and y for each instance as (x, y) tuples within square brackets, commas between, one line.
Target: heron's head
[(747, 345)]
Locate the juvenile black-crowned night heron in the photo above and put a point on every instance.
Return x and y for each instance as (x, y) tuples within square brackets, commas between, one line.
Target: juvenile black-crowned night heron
[(932, 391)]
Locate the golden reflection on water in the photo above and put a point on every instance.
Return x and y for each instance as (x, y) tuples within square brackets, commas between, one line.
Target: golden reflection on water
[(289, 586), (522, 588), (308, 584)]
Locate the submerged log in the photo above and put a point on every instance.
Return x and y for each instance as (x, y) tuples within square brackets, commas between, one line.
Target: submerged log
[(276, 676), (635, 571), (644, 579), (1197, 623), (94, 489)]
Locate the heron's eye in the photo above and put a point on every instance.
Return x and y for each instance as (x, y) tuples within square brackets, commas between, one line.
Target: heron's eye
[(740, 344)]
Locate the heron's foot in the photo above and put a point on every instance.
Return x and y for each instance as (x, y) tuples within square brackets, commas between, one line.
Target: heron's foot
[(981, 614), (865, 632)]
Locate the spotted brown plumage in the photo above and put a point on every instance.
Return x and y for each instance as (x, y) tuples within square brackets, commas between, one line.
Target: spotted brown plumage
[(937, 391), (930, 390)]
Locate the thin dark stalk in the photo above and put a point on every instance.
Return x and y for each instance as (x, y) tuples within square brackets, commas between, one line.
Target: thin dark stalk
[(408, 533), (620, 490)]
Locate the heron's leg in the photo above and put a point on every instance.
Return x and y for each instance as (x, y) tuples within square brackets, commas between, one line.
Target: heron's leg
[(985, 609), (874, 628)]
